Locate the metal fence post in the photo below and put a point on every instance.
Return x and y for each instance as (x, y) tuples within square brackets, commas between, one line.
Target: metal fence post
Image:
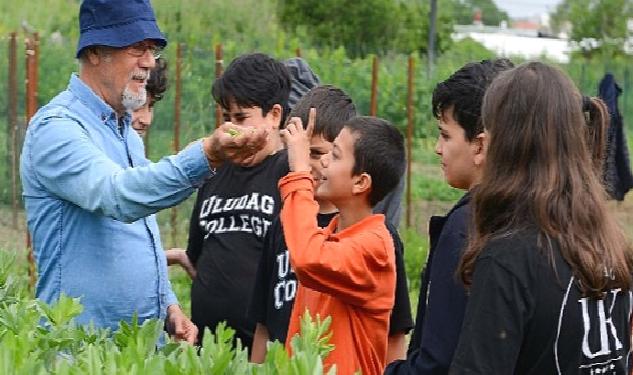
[(12, 123), (219, 63), (409, 136), (373, 107), (32, 55), (174, 210)]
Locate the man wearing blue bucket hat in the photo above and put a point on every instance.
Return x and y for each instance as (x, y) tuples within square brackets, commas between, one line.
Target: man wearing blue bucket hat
[(89, 192)]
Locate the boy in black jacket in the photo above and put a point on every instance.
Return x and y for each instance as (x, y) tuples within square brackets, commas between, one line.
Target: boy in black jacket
[(442, 300)]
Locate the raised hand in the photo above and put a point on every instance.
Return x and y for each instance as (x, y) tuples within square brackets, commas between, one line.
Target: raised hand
[(297, 141)]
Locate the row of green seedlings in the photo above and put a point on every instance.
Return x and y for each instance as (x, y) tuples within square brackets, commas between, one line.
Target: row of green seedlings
[(36, 338)]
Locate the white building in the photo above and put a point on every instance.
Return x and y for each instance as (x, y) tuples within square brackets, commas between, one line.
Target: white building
[(508, 42)]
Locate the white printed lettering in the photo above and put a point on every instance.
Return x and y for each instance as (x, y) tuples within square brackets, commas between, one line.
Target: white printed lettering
[(268, 204)]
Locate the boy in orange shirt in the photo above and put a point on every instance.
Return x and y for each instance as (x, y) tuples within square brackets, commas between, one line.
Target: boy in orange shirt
[(346, 270)]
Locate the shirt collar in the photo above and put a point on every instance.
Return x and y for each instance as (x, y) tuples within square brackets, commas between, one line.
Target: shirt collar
[(95, 103)]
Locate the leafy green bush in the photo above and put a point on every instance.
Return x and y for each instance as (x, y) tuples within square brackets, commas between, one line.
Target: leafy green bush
[(36, 338), (415, 254)]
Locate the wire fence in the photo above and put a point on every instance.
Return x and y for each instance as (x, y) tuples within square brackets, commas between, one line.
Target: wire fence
[(377, 85)]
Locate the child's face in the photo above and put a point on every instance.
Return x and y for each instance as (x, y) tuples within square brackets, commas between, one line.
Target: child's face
[(142, 117), (456, 152), (336, 169), (319, 146), (251, 116), (254, 116)]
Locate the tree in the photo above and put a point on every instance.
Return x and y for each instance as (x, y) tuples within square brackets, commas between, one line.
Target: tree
[(605, 21), (464, 10), (368, 26)]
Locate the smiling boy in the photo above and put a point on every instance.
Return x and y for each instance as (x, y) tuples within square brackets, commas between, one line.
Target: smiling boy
[(347, 269), (276, 284)]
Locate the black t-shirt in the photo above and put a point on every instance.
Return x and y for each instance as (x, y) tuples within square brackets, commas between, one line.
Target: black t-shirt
[(276, 285), (233, 212), (523, 317)]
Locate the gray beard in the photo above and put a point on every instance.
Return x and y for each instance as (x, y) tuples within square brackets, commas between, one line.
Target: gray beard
[(132, 101)]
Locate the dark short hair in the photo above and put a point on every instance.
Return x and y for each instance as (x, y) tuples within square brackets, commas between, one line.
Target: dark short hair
[(464, 92), (254, 79), (379, 152), (333, 109), (157, 82)]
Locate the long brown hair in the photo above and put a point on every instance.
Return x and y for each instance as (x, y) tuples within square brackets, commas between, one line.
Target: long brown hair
[(597, 118), (541, 173)]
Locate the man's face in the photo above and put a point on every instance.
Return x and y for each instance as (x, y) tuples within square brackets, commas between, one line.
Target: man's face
[(319, 146), (253, 116), (124, 73), (456, 152), (336, 182), (142, 117)]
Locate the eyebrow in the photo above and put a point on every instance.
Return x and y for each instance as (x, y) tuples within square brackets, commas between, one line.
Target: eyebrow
[(229, 113)]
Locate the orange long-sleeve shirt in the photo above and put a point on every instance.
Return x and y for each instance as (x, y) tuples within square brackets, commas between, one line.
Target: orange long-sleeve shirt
[(349, 275)]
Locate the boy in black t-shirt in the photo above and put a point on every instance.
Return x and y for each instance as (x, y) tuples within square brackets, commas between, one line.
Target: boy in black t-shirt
[(235, 209), (276, 283)]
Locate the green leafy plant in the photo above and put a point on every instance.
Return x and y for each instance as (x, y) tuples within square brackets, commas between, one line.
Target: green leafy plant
[(36, 338)]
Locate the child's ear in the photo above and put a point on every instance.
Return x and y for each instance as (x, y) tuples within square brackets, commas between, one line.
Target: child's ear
[(362, 184), (276, 112), (480, 144)]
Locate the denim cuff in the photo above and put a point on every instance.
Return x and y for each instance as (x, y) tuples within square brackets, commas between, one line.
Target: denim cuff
[(171, 299), (194, 163)]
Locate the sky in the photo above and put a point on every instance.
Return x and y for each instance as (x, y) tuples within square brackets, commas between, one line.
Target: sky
[(526, 8)]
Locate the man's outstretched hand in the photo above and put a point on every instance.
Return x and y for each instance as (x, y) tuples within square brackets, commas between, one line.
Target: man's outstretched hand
[(234, 143)]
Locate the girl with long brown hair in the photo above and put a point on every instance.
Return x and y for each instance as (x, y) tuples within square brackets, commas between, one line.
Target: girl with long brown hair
[(548, 268)]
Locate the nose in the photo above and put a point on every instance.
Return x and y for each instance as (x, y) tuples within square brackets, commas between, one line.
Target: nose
[(438, 147), (325, 160), (147, 60)]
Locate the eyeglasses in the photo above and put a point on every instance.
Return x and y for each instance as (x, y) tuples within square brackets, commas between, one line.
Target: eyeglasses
[(139, 49)]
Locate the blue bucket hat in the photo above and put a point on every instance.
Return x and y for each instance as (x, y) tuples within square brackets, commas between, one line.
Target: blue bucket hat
[(117, 23)]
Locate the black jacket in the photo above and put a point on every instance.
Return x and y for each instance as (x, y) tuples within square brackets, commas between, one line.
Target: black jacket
[(617, 169), (442, 299), (527, 315)]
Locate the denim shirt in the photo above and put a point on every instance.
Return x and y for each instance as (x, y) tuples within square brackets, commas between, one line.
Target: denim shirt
[(90, 196)]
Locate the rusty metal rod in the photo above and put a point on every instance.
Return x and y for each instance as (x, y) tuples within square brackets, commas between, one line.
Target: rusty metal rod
[(12, 123), (32, 52), (410, 124), (178, 95), (219, 68), (373, 107)]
